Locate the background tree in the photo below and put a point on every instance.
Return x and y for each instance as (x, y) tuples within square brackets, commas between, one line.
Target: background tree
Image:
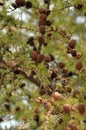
[(43, 64)]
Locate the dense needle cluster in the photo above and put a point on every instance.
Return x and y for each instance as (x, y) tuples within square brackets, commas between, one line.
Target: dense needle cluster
[(59, 101)]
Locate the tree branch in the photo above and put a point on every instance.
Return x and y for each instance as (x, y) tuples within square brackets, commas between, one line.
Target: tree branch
[(21, 71), (29, 76)]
